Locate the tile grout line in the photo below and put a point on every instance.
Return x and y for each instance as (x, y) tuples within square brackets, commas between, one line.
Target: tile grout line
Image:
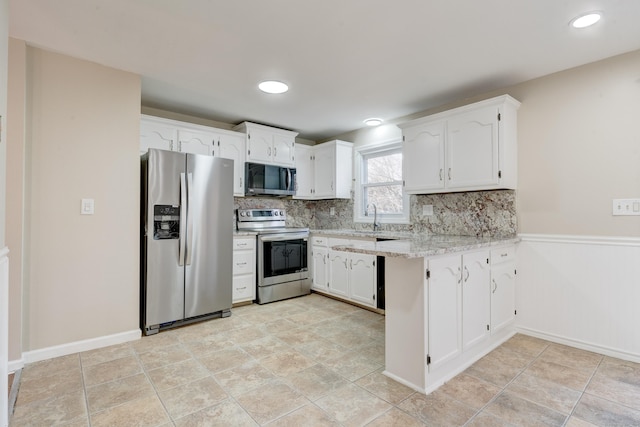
[(504, 388)]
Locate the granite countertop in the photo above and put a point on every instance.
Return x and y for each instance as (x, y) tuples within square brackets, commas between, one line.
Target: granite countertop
[(407, 245), (369, 234)]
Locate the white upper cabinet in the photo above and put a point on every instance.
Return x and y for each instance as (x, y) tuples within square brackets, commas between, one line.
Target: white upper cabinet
[(268, 145), (230, 145), (196, 141), (331, 171), (466, 149), (154, 134), (166, 134), (423, 157), (304, 171)]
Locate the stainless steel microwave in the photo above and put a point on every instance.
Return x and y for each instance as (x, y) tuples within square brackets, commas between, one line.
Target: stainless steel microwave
[(269, 180)]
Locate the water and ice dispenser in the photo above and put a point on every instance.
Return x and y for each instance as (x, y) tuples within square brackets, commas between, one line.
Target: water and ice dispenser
[(166, 222)]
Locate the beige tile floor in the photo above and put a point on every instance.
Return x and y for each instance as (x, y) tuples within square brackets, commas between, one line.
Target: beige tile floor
[(313, 361)]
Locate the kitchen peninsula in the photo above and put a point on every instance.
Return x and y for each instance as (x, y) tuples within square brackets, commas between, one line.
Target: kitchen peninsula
[(449, 301)]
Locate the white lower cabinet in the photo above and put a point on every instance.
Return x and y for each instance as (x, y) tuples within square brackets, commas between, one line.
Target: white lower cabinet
[(458, 305), (443, 310), (503, 288), (319, 263), (350, 276), (338, 269), (244, 269), (476, 303), (362, 279)]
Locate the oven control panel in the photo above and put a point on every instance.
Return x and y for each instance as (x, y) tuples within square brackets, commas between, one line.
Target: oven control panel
[(244, 215)]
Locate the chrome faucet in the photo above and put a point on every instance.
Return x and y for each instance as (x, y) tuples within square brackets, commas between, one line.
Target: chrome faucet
[(376, 224)]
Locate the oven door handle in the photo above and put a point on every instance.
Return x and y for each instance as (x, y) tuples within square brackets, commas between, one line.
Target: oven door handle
[(277, 237)]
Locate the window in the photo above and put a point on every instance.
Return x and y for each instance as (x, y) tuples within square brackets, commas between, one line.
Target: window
[(379, 183)]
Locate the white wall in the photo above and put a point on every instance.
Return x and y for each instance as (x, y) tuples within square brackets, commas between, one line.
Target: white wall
[(4, 262), (15, 188), (81, 276)]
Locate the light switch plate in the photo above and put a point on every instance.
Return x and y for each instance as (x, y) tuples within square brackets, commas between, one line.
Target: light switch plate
[(626, 207), (87, 207)]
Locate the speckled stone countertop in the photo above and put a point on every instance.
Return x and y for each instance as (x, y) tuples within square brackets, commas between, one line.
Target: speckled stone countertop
[(415, 246), (369, 234)]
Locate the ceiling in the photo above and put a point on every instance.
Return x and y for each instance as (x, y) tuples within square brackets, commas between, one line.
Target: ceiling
[(344, 60)]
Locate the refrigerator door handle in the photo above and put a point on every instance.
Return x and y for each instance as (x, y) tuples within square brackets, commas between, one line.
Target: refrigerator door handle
[(183, 223), (189, 218)]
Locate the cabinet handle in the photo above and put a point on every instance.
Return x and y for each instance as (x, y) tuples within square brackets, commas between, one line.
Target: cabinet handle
[(468, 274), (441, 171), (351, 263), (240, 263), (268, 151), (275, 150), (459, 275), (495, 286), (240, 182), (449, 173), (239, 289)]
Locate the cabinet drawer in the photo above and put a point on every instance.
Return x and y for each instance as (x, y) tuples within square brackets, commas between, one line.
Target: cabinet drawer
[(243, 287), (498, 256), (319, 241), (338, 242), (244, 243), (243, 263)]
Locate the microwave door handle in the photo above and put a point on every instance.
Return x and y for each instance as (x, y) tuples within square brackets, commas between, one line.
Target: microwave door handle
[(183, 220), (288, 178), (189, 218)]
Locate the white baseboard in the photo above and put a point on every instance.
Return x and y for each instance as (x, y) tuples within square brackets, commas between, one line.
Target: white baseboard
[(618, 354), (80, 346), (403, 382), (14, 365)]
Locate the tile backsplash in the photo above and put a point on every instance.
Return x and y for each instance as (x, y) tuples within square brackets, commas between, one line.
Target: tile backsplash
[(478, 213)]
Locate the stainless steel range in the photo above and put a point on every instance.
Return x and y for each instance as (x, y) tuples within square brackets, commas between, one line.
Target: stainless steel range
[(282, 269)]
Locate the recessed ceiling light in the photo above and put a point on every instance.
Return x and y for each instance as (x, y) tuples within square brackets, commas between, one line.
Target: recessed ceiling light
[(373, 121), (273, 86), (586, 20)]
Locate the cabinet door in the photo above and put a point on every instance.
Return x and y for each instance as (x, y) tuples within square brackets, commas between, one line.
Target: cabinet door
[(232, 147), (320, 268), (283, 150), (472, 149), (259, 146), (304, 172), (476, 303), (339, 273), (362, 280), (443, 302), (503, 295), (196, 142), (156, 135), (423, 157), (324, 171), (244, 288)]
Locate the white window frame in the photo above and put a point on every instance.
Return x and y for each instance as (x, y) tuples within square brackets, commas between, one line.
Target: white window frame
[(360, 154)]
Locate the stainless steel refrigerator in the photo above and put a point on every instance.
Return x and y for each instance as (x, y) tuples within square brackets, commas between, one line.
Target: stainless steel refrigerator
[(186, 241)]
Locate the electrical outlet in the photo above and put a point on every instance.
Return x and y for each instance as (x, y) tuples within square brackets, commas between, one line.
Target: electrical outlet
[(427, 210), (332, 211), (626, 207)]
